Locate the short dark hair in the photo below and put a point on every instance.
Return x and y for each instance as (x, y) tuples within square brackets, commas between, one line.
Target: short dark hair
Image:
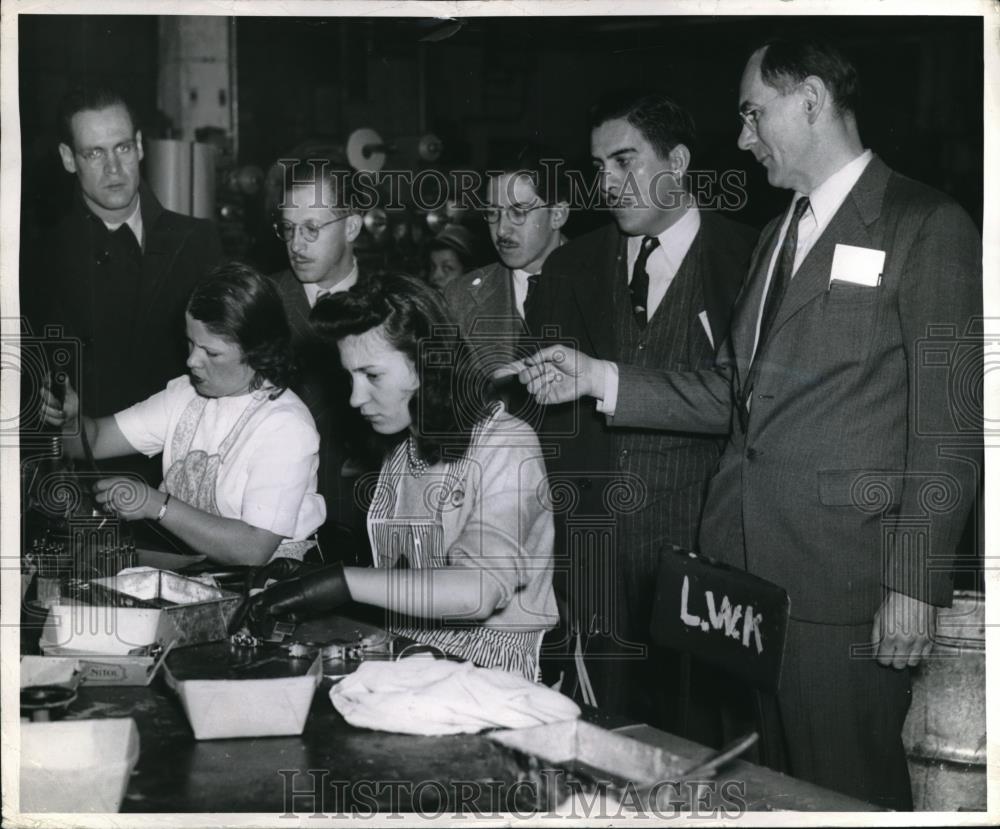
[(81, 98), (785, 63), (545, 167), (454, 395), (663, 122), (235, 302)]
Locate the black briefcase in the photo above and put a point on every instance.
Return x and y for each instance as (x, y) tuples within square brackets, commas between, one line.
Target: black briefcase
[(722, 616)]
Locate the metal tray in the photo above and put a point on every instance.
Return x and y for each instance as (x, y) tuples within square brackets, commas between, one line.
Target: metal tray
[(581, 746), (198, 612)]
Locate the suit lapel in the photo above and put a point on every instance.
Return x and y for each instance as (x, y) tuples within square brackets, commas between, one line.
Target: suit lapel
[(849, 225), (744, 325), (594, 287), (297, 309), (494, 295), (159, 250), (717, 263), (493, 298)]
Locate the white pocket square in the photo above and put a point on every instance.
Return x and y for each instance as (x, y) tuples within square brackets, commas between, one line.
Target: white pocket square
[(857, 266), (703, 317)]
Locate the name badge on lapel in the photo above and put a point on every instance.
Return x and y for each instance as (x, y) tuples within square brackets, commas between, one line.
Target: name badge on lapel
[(857, 266)]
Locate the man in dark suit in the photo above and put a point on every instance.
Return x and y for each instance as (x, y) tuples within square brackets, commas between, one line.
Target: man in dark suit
[(318, 226), (526, 209), (117, 271), (845, 477), (653, 288)]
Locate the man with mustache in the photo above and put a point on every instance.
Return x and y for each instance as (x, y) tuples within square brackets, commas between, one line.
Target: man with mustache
[(117, 271), (846, 476), (318, 225), (526, 209), (654, 287)]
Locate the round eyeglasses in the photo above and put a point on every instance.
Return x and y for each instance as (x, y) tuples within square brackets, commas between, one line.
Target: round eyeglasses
[(515, 215), (285, 230)]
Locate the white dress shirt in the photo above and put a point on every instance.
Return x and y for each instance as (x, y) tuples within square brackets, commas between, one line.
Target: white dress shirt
[(135, 224), (313, 290), (665, 260), (520, 288), (824, 202)]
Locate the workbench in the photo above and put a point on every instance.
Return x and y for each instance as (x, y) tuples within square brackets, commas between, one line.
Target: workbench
[(336, 768)]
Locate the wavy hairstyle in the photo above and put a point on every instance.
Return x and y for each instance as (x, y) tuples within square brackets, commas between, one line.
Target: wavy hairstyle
[(235, 302), (662, 121), (454, 394)]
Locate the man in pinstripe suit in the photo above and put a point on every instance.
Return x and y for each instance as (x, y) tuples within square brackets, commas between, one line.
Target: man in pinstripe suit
[(846, 477), (653, 288)]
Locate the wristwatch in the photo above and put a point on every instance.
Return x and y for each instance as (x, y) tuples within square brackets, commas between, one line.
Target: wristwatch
[(163, 508)]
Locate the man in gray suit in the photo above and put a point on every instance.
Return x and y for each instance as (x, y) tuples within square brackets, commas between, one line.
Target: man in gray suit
[(318, 227), (526, 208), (845, 478)]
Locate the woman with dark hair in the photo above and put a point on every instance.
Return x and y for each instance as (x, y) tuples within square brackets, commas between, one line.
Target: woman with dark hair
[(240, 450), (460, 522)]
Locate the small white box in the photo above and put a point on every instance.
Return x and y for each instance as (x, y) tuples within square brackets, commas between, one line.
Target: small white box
[(77, 765), (221, 708), (75, 629)]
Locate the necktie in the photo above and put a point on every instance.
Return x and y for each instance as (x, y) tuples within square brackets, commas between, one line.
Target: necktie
[(532, 287), (639, 286), (782, 273), (775, 293)]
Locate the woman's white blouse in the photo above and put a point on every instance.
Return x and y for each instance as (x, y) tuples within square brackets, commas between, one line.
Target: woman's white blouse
[(267, 479)]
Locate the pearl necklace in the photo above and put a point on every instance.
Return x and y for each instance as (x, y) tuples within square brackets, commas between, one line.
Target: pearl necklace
[(417, 465)]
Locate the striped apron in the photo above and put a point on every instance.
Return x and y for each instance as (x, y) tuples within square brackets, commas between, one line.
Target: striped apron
[(418, 542)]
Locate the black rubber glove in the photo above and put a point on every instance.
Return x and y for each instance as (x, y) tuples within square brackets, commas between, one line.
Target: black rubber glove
[(277, 570), (319, 591)]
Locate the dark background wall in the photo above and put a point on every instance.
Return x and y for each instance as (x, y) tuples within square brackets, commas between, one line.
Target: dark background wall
[(498, 81)]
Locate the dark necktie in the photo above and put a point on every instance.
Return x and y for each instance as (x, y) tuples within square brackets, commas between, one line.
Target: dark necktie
[(775, 293), (532, 287), (639, 286), (782, 273)]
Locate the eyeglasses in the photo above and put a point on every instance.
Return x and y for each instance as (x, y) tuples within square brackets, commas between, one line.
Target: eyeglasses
[(515, 215), (98, 155), (310, 232), (750, 116)]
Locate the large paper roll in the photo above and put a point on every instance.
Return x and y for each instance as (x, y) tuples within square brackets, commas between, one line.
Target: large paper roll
[(168, 172), (203, 180)]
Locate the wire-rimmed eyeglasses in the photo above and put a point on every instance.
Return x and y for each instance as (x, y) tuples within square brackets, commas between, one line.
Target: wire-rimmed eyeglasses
[(285, 230), (515, 214)]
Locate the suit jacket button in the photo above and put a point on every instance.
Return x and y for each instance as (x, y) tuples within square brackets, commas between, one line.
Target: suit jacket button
[(642, 346), (751, 453)]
